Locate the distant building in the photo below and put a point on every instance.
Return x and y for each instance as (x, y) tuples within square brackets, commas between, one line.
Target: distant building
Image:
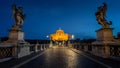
[(60, 38)]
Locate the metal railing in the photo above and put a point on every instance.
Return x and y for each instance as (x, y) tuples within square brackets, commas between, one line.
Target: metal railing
[(6, 51), (115, 50)]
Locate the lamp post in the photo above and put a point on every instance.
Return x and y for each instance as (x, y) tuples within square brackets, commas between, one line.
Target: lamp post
[(47, 38), (72, 38)]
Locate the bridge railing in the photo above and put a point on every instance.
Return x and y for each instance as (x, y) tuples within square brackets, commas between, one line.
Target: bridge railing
[(99, 50), (14, 51), (6, 51), (115, 50)]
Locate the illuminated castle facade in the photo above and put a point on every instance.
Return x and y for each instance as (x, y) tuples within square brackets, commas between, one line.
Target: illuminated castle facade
[(60, 36)]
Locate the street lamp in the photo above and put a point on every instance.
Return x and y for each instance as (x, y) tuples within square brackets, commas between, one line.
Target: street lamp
[(72, 38), (47, 36)]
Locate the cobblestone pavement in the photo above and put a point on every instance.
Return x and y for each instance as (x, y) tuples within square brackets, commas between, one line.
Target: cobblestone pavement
[(61, 58)]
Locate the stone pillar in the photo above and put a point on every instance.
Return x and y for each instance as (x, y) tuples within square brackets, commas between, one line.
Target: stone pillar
[(69, 44), (44, 46), (86, 47), (15, 51), (36, 47), (23, 50), (51, 44), (107, 51), (41, 47), (63, 43)]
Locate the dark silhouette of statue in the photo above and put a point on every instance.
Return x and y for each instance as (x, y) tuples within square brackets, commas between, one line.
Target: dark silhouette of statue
[(101, 14), (17, 14)]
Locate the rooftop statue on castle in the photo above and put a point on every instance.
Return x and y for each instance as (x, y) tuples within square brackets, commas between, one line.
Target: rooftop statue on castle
[(101, 14), (17, 14)]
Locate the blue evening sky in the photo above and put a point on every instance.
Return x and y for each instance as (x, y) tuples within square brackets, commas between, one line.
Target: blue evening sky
[(44, 17)]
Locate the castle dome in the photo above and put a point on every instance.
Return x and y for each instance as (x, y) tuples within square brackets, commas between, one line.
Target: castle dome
[(59, 31)]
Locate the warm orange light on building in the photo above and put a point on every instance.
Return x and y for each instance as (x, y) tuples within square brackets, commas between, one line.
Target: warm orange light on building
[(59, 36)]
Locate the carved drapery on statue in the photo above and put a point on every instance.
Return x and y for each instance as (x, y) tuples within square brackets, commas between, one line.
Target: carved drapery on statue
[(100, 16), (17, 14)]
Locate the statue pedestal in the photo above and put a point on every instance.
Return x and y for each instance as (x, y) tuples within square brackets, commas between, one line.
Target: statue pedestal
[(15, 36), (101, 47), (105, 34), (21, 48)]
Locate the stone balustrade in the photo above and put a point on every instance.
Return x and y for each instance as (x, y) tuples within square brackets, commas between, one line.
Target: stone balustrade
[(103, 51), (17, 51)]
